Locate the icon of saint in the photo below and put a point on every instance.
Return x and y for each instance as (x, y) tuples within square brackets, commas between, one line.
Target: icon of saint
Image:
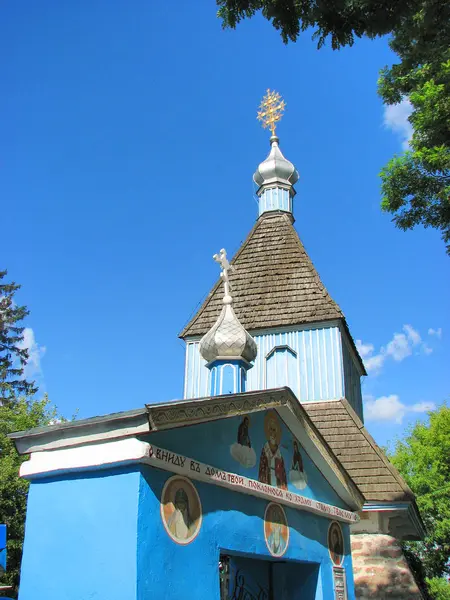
[(180, 522), (243, 434), (335, 543), (275, 540), (297, 473), (276, 530), (271, 463), (242, 450)]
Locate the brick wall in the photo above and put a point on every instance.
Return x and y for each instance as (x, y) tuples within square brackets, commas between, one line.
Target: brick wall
[(380, 569)]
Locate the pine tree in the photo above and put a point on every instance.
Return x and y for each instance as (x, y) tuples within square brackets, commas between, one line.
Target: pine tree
[(13, 355)]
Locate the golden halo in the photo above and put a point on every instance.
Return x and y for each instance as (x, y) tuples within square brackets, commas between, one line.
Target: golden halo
[(272, 417)]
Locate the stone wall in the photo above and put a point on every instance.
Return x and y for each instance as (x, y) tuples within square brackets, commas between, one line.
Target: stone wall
[(380, 569)]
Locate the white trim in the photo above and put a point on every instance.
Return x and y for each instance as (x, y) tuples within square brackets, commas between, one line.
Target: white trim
[(133, 451)]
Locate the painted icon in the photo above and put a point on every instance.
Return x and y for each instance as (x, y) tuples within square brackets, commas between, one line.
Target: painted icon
[(297, 473), (271, 463), (181, 509), (276, 529), (336, 543), (242, 450)]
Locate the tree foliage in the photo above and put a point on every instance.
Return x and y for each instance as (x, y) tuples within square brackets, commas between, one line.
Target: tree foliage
[(415, 185), (13, 355), (23, 413), (423, 460), (438, 588)]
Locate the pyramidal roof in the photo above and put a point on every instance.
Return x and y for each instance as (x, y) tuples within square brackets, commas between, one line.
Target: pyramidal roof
[(274, 282)]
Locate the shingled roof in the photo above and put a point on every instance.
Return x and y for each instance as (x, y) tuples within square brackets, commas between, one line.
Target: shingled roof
[(274, 283), (365, 462)]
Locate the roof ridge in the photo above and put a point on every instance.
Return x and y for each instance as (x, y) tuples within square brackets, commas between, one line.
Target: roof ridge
[(312, 268)]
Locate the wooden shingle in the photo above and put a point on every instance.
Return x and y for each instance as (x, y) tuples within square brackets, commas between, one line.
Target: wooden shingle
[(365, 462), (274, 283)]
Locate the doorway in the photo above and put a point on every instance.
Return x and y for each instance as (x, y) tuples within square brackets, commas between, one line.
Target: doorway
[(243, 578)]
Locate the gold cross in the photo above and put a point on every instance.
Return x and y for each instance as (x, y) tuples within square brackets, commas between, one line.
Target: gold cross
[(271, 110)]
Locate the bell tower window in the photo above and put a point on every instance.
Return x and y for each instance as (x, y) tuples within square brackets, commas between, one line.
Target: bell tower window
[(281, 368)]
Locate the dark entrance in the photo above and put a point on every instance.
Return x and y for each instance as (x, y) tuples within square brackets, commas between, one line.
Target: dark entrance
[(244, 578)]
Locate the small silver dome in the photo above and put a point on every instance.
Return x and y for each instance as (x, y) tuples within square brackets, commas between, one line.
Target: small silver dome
[(228, 339), (276, 168)]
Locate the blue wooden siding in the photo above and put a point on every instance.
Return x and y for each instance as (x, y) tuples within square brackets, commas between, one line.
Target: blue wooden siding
[(275, 199), (352, 381), (281, 365), (313, 368)]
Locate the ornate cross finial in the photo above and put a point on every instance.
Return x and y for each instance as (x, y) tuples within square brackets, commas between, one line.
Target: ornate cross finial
[(222, 259), (271, 110)]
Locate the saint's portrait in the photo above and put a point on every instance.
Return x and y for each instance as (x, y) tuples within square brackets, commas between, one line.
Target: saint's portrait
[(271, 463), (336, 543), (297, 474), (242, 450), (276, 530), (181, 510)]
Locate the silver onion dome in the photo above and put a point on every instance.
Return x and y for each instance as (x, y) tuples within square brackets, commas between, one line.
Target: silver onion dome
[(276, 168), (227, 339)]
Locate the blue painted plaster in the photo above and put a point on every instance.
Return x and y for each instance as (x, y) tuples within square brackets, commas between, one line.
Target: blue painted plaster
[(100, 536), (210, 443), (2, 549), (232, 524), (80, 538)]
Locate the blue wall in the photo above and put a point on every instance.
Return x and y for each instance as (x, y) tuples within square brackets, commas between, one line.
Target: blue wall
[(100, 536), (80, 539), (319, 366), (211, 443), (315, 373), (232, 523)]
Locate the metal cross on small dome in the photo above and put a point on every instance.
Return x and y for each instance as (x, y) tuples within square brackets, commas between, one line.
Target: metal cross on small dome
[(222, 259), (271, 110)]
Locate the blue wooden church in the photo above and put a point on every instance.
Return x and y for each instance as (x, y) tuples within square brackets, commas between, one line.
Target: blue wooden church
[(262, 483)]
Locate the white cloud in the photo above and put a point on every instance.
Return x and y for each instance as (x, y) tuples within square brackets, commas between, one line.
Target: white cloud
[(398, 348), (364, 350), (385, 408), (389, 408), (413, 335), (436, 332), (374, 363), (35, 353), (396, 118)]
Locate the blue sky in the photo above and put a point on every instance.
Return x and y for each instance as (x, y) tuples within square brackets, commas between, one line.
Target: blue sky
[(127, 147)]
